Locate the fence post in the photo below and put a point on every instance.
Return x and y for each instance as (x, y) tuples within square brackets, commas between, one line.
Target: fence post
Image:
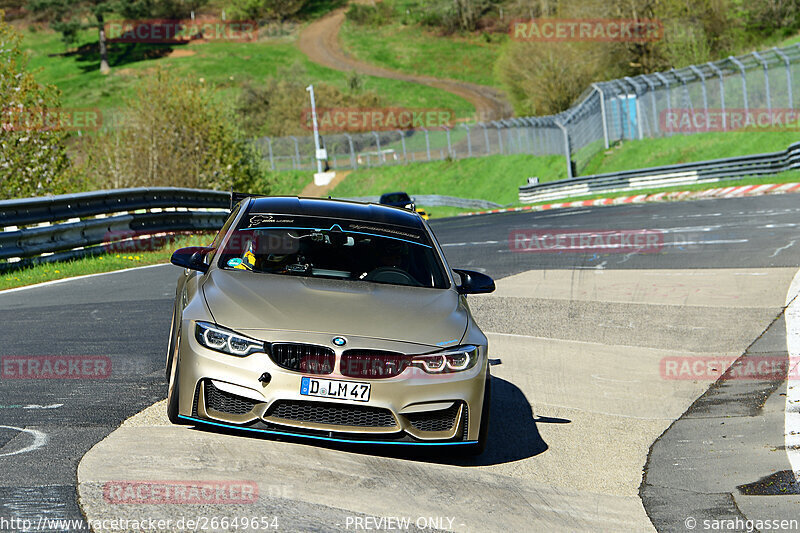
[(469, 140), (602, 113), (353, 161), (271, 159), (766, 79), (665, 81), (486, 137), (403, 142), (744, 80), (638, 107), (566, 149), (381, 159), (788, 64), (702, 76), (296, 162), (718, 72), (449, 144), (427, 143), (652, 87), (499, 135)]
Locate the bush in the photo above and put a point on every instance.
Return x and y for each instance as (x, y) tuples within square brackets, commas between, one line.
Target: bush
[(174, 133), (367, 15), (276, 108), (33, 160)]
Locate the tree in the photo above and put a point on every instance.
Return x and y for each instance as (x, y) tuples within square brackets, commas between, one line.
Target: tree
[(273, 9), (174, 133), (70, 16), (33, 159)]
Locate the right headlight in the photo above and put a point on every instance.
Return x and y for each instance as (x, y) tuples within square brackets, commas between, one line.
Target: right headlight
[(455, 359), (226, 341)]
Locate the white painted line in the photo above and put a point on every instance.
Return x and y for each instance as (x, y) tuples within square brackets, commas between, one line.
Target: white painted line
[(39, 440), (64, 280), (792, 415)]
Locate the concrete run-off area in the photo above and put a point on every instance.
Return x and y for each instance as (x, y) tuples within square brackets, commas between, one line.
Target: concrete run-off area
[(579, 397)]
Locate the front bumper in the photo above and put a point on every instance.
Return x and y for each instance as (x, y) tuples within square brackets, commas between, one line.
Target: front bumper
[(413, 408)]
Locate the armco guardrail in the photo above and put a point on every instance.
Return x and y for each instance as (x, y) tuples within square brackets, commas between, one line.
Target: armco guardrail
[(665, 176), (436, 200), (76, 225)]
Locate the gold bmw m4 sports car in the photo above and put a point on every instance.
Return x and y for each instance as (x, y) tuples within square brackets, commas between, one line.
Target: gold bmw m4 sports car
[(329, 320)]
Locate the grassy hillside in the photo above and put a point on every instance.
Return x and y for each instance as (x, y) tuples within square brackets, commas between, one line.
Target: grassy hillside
[(225, 64), (415, 50)]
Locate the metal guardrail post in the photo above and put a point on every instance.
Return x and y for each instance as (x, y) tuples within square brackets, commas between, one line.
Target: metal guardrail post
[(788, 65), (766, 79), (602, 113), (719, 74), (567, 151), (469, 140), (742, 69)]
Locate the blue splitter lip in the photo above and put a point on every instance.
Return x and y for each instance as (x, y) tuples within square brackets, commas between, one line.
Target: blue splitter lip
[(327, 439)]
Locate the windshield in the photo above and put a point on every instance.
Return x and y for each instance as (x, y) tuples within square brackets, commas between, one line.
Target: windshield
[(328, 248)]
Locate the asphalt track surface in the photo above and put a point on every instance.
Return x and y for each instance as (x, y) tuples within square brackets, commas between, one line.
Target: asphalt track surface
[(125, 317)]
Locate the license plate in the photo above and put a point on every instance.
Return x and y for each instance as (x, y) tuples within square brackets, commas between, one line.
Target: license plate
[(338, 390)]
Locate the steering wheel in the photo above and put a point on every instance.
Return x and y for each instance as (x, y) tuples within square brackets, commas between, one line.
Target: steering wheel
[(394, 275)]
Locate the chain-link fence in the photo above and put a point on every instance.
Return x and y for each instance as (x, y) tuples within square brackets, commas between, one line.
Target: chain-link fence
[(724, 95)]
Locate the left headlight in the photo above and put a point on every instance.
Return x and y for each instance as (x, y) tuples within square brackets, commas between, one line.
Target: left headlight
[(451, 360), (226, 341)]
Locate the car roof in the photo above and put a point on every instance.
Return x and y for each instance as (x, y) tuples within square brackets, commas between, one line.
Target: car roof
[(343, 209)]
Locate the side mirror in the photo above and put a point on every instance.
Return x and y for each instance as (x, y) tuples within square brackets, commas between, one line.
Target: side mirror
[(191, 257), (474, 282)]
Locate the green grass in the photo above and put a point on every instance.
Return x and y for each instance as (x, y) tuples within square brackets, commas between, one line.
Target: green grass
[(684, 149), (415, 50), (495, 178), (94, 265), (225, 64)]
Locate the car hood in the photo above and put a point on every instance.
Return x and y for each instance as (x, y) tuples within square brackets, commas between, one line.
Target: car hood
[(248, 301)]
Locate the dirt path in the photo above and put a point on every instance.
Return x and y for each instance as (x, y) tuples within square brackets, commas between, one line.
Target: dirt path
[(320, 42)]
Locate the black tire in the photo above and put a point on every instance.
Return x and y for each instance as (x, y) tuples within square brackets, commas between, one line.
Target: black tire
[(472, 450), (173, 393), (171, 346)]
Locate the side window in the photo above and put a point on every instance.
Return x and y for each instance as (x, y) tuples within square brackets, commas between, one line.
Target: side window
[(222, 232)]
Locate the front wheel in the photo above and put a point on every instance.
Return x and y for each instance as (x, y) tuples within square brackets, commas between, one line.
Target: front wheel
[(173, 394)]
